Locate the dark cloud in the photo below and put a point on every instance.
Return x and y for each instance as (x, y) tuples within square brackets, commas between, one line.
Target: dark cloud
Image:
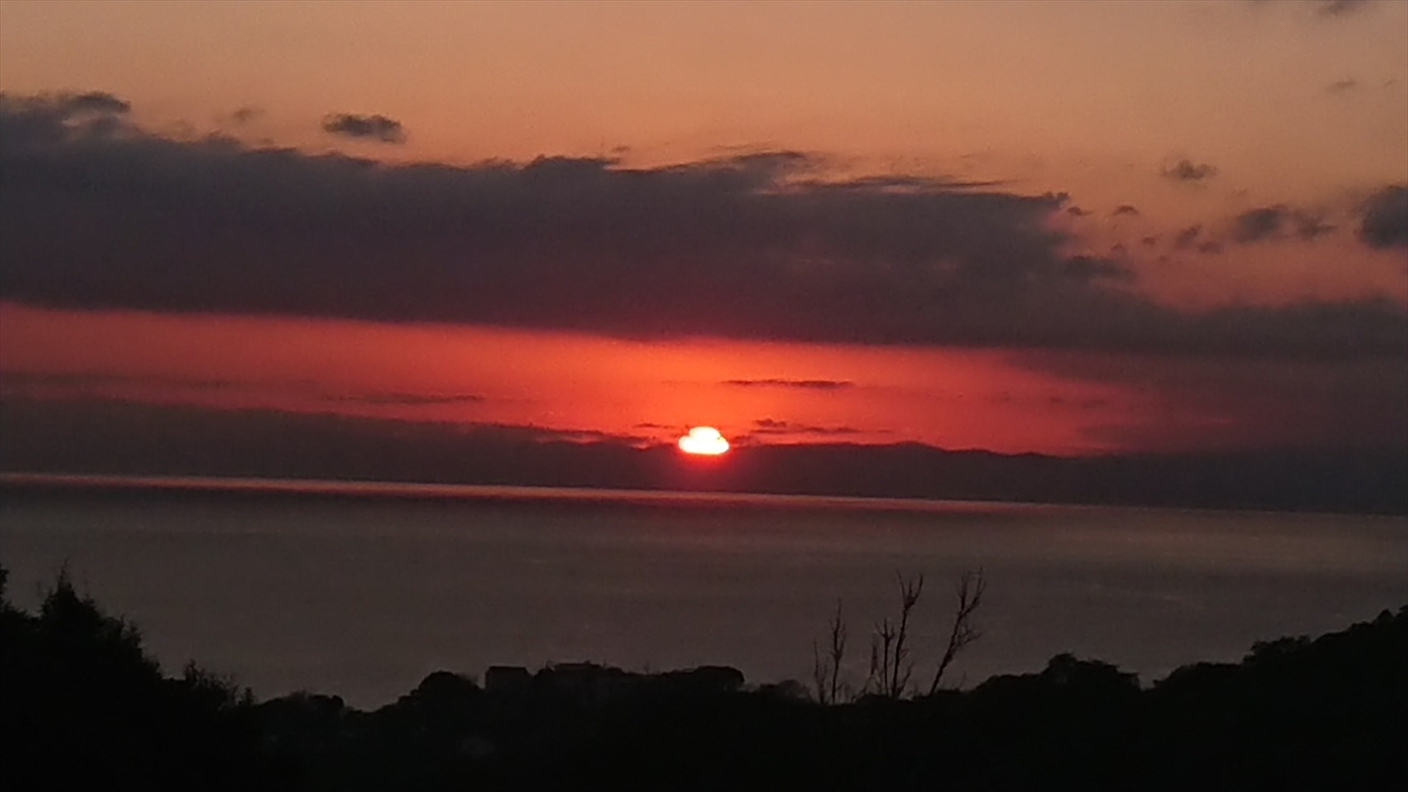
[(1325, 10), (393, 399), (244, 115), (1337, 8), (92, 102), (75, 116), (1385, 218), (1192, 238), (1277, 221), (1262, 223), (1186, 171), (107, 385), (808, 384), (1342, 86), (1187, 237), (1324, 403), (774, 427), (1076, 211), (87, 384), (365, 127), (101, 214), (1125, 209)]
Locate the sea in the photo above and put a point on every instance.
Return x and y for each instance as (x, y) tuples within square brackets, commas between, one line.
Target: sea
[(361, 590)]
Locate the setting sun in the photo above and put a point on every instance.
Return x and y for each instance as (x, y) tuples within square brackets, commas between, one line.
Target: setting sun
[(704, 440)]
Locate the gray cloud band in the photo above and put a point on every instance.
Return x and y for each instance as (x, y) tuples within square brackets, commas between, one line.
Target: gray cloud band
[(99, 213)]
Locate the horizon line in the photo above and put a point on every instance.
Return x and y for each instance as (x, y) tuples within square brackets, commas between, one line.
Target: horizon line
[(422, 490)]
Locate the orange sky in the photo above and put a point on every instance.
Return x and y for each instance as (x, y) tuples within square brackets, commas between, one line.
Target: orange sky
[(1289, 104), (1068, 96)]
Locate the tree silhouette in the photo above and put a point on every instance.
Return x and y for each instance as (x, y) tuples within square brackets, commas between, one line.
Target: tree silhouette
[(826, 673), (969, 592), (890, 666), (891, 653)]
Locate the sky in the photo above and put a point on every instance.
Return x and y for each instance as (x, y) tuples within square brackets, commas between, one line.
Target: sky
[(1071, 229)]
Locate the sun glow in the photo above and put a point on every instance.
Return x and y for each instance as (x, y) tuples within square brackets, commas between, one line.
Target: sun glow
[(704, 440)]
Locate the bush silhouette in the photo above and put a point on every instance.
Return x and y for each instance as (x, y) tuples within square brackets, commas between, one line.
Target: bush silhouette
[(84, 706)]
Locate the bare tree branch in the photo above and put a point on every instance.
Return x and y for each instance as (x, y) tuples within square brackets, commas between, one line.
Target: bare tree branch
[(826, 673), (838, 650), (969, 593), (890, 667)]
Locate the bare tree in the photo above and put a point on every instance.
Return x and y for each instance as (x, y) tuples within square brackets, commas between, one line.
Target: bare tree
[(969, 592), (890, 666), (826, 673)]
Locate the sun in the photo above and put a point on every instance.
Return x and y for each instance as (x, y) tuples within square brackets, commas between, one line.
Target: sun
[(705, 441)]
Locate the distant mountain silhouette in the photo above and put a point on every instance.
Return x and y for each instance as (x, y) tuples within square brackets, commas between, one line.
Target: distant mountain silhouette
[(119, 438)]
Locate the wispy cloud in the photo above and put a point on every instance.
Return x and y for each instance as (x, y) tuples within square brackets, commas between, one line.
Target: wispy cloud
[(392, 399), (807, 384), (1277, 221), (1342, 86), (1339, 8), (1187, 237), (98, 384), (244, 115), (1188, 171), (771, 426)]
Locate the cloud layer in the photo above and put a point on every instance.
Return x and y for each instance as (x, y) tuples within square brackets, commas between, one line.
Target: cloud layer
[(102, 214)]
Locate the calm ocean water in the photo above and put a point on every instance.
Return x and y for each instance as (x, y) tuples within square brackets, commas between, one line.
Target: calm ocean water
[(363, 596)]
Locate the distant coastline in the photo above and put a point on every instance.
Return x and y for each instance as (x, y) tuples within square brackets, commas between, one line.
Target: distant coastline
[(37, 482), (411, 490), (126, 440)]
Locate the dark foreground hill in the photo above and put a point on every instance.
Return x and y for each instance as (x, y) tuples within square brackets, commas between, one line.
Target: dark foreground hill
[(84, 707)]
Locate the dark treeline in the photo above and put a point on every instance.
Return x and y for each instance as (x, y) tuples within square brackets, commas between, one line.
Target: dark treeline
[(84, 707)]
